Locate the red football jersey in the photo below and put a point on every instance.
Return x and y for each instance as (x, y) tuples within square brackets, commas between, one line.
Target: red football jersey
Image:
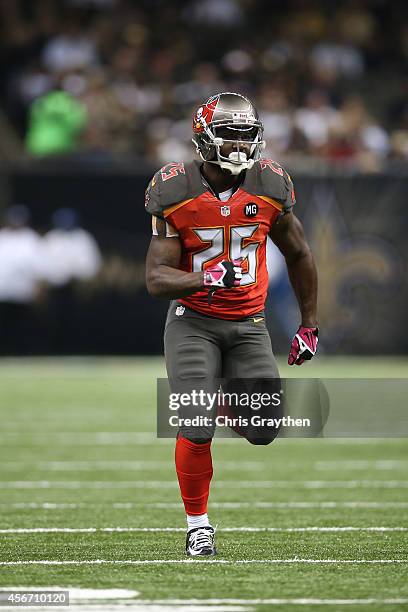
[(211, 231)]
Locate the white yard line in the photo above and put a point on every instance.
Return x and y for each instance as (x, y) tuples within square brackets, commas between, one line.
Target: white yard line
[(313, 529), (96, 438), (90, 466), (70, 438), (216, 561), (375, 464), (219, 484), (165, 465), (306, 504), (92, 484), (274, 601), (224, 505), (124, 598), (76, 593)]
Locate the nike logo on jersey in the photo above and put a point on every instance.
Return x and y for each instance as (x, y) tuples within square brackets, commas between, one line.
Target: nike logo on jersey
[(258, 319)]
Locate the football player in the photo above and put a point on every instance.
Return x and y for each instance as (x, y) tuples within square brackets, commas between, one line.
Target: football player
[(211, 218)]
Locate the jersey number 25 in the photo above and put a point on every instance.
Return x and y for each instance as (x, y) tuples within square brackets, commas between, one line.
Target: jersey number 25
[(216, 236)]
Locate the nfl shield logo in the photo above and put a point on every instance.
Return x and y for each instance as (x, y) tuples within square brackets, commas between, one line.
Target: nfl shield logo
[(225, 211)]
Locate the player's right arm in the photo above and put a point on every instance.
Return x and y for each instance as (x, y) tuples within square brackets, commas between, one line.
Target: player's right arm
[(164, 279)]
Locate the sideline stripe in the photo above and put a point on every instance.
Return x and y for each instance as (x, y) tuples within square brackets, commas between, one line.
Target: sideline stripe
[(225, 505), (182, 529), (219, 484), (192, 561)]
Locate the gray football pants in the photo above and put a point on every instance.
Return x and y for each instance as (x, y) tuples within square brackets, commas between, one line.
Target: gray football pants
[(201, 350)]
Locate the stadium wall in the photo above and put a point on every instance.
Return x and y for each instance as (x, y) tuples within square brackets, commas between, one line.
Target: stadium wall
[(357, 226)]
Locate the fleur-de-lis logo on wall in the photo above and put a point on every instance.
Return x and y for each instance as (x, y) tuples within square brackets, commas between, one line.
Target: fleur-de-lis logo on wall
[(355, 270)]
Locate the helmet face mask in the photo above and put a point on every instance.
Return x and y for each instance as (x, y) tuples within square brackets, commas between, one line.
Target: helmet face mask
[(228, 118)]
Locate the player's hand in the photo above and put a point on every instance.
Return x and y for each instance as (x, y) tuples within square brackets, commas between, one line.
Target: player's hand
[(304, 345), (225, 274)]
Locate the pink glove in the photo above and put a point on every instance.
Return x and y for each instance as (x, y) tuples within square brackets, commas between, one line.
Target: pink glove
[(224, 275), (304, 345)]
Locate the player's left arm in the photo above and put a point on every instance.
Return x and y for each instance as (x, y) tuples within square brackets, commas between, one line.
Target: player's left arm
[(287, 233)]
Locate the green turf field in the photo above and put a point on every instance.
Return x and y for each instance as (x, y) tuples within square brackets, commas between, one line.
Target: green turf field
[(302, 524)]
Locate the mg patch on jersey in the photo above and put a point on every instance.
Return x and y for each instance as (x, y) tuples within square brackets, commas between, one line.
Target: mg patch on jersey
[(251, 209), (225, 211)]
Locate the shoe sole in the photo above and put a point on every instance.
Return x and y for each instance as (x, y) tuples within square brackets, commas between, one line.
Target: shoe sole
[(203, 554)]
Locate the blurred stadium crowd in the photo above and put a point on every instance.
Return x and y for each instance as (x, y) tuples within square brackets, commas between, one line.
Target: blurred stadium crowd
[(119, 77)]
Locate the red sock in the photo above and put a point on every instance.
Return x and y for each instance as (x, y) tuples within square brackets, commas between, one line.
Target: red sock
[(194, 472)]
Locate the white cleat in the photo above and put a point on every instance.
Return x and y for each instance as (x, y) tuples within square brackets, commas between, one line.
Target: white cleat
[(200, 542)]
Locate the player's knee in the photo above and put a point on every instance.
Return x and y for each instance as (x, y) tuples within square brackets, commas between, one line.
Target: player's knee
[(199, 440), (198, 437), (259, 441), (263, 440)]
